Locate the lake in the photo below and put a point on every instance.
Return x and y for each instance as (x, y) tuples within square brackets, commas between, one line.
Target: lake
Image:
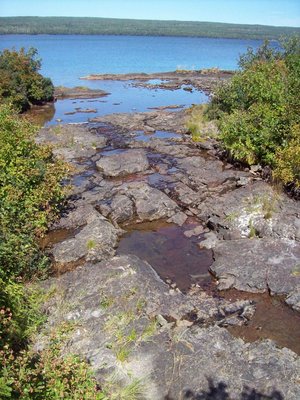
[(66, 58)]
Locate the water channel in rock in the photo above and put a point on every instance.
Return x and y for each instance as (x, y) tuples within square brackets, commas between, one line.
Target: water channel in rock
[(272, 320), (176, 258)]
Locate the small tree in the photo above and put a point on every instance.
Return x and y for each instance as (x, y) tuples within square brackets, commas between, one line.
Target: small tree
[(20, 82)]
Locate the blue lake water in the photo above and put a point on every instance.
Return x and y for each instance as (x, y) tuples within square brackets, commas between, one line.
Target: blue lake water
[(123, 98), (66, 58)]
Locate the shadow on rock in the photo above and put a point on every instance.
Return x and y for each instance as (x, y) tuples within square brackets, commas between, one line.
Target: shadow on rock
[(219, 391)]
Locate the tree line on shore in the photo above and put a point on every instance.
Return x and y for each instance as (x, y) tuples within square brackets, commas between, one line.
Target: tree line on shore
[(113, 26)]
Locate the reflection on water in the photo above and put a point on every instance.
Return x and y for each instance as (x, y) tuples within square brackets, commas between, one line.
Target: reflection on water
[(272, 320), (41, 115), (169, 252), (145, 137), (123, 98)]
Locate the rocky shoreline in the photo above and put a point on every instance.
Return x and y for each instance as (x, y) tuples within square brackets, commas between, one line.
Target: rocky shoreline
[(78, 92), (133, 321), (205, 80)]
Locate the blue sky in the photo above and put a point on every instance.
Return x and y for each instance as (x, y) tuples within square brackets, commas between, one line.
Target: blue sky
[(268, 12)]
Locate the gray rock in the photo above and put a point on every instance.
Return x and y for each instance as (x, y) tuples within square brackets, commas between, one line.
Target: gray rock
[(147, 121), (77, 217), (150, 203), (210, 241), (293, 299), (95, 242), (257, 265), (243, 181), (114, 298), (122, 209), (254, 209), (194, 232), (178, 219), (71, 141), (122, 164)]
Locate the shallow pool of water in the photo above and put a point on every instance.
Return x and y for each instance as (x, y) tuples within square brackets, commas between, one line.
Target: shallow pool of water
[(122, 98), (146, 137), (171, 254), (273, 319)]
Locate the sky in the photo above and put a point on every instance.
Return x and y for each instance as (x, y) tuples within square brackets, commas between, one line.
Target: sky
[(265, 12)]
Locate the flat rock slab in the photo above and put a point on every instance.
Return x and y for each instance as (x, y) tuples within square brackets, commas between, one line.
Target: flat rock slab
[(108, 301), (150, 203), (127, 162), (95, 242), (258, 265), (255, 207), (72, 141), (147, 121)]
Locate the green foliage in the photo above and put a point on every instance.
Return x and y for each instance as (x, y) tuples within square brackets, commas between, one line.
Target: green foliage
[(258, 110), (195, 121), (30, 195), (19, 313), (47, 375), (288, 160), (113, 26), (20, 82)]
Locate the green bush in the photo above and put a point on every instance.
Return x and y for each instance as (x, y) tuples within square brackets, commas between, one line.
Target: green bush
[(20, 82), (30, 195), (288, 160), (47, 375), (19, 314), (258, 110)]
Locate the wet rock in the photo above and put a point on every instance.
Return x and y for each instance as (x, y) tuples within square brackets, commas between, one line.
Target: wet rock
[(178, 219), (210, 241), (257, 265), (122, 164), (95, 242), (194, 232)]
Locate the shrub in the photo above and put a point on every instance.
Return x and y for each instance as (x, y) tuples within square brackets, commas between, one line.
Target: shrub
[(30, 195), (288, 160), (258, 110), (47, 375), (21, 84)]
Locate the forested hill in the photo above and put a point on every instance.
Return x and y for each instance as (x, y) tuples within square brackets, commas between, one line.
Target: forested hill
[(110, 26)]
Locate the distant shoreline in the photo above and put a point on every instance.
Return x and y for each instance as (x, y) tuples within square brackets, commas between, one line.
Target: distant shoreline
[(132, 27)]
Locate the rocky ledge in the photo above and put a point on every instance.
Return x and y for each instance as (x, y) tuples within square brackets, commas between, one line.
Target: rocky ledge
[(78, 92), (205, 80), (132, 322)]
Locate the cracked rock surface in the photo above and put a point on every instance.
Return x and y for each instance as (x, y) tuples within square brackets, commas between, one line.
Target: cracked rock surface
[(128, 322)]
